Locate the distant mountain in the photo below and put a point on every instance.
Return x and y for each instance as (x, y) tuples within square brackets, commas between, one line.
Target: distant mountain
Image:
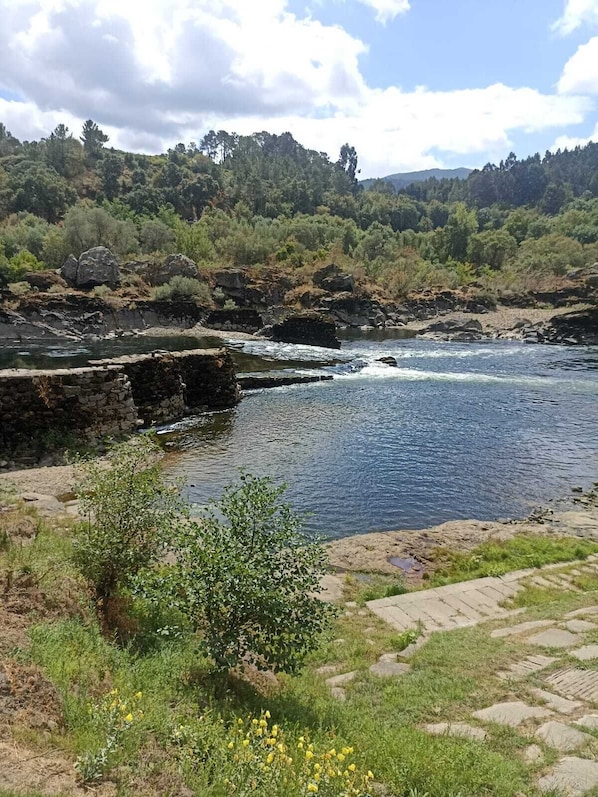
[(403, 179)]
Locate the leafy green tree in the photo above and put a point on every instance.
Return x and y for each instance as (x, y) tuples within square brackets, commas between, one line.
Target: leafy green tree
[(34, 187), (491, 248), (8, 143), (247, 575), (130, 514), (63, 152), (462, 223), (93, 139), (155, 236), (111, 169), (87, 225)]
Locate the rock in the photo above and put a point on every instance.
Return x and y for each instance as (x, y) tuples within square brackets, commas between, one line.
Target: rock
[(521, 628), (532, 754), (341, 680), (44, 280), (389, 669), (177, 265), (388, 361), (338, 693), (233, 281), (68, 272), (97, 266), (263, 381), (332, 279), (237, 319), (455, 329), (307, 328)]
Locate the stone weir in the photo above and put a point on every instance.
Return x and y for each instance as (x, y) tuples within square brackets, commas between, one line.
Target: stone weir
[(41, 410)]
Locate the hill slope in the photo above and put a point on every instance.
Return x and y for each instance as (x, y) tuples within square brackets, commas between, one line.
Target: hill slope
[(403, 179)]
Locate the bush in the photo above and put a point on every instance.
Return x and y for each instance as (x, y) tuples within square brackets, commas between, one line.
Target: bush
[(130, 517), (183, 288), (248, 575)]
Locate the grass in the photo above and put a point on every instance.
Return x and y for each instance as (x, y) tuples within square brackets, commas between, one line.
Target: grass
[(495, 558), (383, 719)]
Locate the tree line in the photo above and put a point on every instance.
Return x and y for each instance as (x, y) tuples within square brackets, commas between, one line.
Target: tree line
[(250, 200)]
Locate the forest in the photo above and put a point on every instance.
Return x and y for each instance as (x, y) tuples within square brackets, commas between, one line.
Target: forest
[(265, 199)]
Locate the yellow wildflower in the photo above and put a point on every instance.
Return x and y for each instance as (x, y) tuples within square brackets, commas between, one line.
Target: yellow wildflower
[(309, 755), (267, 715), (129, 717), (313, 788), (230, 745), (270, 758), (370, 774), (245, 742), (351, 767), (263, 723), (138, 695), (341, 757)]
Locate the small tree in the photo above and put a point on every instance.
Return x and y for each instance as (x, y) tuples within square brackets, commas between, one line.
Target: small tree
[(131, 514), (247, 575)]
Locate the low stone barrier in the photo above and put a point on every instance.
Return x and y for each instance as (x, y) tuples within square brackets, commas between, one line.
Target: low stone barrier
[(40, 410)]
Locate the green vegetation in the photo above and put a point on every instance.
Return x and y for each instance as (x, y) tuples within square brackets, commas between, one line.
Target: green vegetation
[(145, 715), (183, 288), (130, 519), (494, 558), (264, 200), (247, 575)]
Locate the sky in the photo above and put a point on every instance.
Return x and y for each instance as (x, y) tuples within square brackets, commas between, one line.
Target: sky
[(411, 84)]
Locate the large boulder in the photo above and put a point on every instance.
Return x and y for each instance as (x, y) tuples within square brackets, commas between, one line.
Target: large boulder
[(307, 328), (69, 269), (177, 265), (97, 266), (332, 279)]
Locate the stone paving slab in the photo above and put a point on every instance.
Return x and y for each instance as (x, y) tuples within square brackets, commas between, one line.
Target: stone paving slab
[(460, 729), (588, 610), (521, 669), (512, 713), (585, 653), (557, 703), (590, 721), (520, 628), (571, 776), (445, 608), (572, 682), (580, 626), (555, 638), (562, 737)]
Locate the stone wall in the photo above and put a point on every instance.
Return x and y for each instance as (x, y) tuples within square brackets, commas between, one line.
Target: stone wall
[(40, 410), (167, 385)]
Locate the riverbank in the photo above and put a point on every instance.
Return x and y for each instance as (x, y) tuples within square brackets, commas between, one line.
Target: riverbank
[(51, 491)]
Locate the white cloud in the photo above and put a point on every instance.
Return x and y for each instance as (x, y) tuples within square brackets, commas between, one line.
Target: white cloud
[(580, 75), (387, 10), (154, 72), (570, 142), (577, 13)]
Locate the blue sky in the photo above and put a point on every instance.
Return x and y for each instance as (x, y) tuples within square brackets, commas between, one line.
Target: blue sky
[(411, 83)]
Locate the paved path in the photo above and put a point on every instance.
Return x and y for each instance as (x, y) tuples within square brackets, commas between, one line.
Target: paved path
[(469, 602)]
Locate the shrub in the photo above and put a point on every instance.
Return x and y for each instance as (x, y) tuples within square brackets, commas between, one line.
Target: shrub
[(101, 291), (183, 288), (248, 575), (130, 513)]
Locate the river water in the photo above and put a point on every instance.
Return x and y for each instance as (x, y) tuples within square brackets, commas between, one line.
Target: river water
[(476, 430), (482, 430)]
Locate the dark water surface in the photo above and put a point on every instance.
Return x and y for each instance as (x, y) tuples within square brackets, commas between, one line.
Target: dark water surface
[(481, 430)]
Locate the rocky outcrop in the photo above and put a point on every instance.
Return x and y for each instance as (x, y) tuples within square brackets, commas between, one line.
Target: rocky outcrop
[(455, 329), (77, 315), (311, 329), (257, 288), (255, 382), (237, 319), (354, 311), (95, 267), (331, 278), (177, 265), (573, 328), (44, 280)]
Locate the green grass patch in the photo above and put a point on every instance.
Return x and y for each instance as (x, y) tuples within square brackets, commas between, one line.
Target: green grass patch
[(495, 558)]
